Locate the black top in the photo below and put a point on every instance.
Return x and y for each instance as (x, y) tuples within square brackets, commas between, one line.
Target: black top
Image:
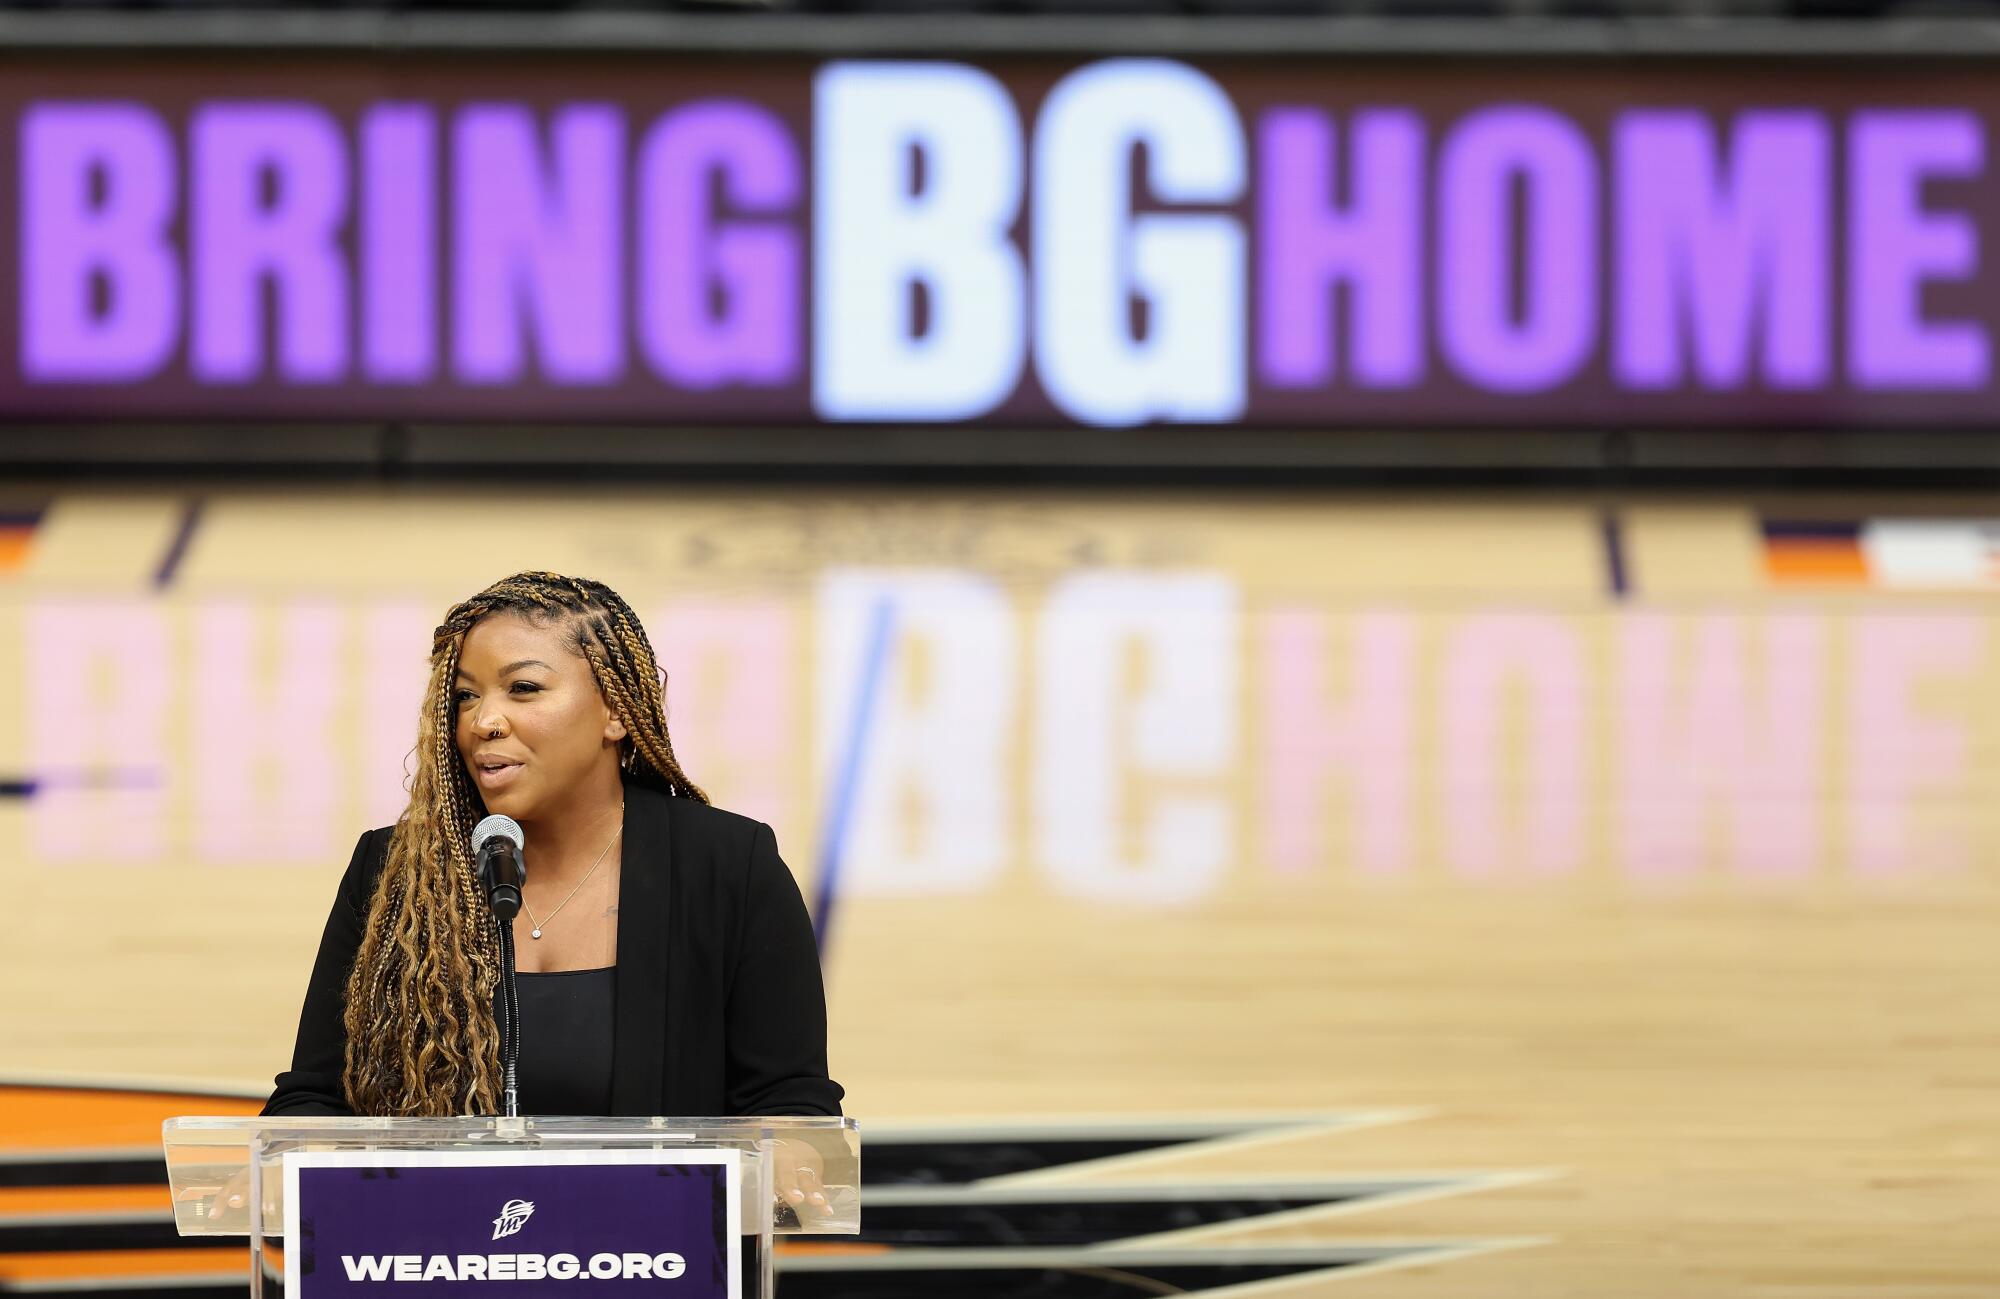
[(565, 1065), (718, 1010)]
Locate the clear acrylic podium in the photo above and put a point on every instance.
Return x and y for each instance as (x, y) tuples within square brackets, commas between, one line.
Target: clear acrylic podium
[(228, 1175)]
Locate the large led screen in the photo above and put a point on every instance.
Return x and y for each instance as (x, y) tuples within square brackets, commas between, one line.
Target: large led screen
[(1018, 243)]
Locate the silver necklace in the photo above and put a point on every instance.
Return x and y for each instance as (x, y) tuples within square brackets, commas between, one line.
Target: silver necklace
[(535, 926)]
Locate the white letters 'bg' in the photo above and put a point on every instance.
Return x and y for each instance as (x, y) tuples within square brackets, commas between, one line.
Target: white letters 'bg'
[(878, 234)]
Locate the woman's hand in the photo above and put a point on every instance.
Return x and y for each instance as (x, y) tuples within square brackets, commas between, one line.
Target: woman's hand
[(797, 1174), (231, 1201)]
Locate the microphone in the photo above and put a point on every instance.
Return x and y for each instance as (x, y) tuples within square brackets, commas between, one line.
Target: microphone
[(496, 845)]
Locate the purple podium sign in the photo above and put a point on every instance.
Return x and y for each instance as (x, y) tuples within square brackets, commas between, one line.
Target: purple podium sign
[(446, 1223)]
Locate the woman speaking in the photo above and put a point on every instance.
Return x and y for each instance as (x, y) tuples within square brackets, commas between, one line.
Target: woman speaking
[(667, 964)]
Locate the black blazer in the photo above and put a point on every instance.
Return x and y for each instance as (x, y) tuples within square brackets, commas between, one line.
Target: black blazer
[(720, 1009)]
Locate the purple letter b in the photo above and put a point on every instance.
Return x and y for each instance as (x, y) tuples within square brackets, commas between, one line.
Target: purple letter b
[(70, 243)]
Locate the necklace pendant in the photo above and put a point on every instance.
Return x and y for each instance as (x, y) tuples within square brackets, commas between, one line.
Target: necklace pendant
[(534, 933)]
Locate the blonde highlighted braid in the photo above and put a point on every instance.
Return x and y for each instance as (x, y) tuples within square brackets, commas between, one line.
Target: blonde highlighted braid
[(421, 1034)]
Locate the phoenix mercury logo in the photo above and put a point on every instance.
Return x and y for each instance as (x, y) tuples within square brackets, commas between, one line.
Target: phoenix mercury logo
[(513, 1216)]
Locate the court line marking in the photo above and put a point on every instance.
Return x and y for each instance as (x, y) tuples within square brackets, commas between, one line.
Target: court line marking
[(1326, 1189), (88, 1217), (1346, 1193), (1617, 569), (83, 1155), (1031, 1258), (169, 566), (1235, 1143), (1445, 1253), (1470, 1184), (1169, 1126), (141, 1084), (847, 777)]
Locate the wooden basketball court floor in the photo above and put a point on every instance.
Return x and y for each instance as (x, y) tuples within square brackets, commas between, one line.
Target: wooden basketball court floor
[(1636, 888)]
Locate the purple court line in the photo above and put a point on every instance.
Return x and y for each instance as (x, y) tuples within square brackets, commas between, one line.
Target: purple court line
[(832, 852), (1615, 575), (80, 778), (177, 549)]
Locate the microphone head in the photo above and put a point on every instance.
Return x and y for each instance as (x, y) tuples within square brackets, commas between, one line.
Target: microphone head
[(506, 827)]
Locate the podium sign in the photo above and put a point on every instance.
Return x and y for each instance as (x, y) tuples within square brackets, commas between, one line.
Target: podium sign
[(424, 1208), (434, 1224)]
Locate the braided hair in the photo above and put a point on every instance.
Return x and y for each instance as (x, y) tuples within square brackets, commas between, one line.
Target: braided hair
[(421, 1034)]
